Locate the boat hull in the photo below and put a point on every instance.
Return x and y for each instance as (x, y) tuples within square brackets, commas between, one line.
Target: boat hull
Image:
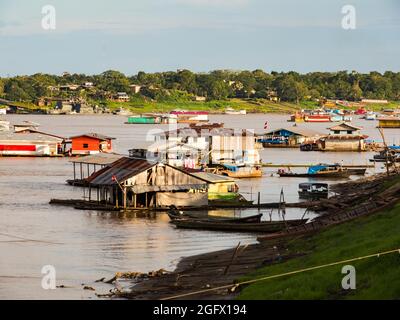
[(250, 219), (261, 227), (341, 174)]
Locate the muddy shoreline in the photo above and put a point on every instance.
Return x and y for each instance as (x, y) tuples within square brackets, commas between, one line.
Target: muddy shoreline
[(204, 272)]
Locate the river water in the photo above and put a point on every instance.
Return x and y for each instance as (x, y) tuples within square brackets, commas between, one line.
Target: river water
[(87, 245)]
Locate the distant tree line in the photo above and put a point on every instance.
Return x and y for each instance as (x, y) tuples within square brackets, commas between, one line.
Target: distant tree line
[(215, 85)]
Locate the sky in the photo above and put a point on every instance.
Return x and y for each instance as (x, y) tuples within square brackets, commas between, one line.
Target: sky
[(92, 36)]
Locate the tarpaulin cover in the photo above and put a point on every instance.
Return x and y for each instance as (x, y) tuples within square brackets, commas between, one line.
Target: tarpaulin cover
[(315, 169)]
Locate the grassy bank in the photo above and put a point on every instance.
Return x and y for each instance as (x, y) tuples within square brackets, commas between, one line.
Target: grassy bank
[(142, 105), (376, 278), (217, 106)]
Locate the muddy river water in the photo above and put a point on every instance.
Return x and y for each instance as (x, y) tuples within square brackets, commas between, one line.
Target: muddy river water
[(87, 245)]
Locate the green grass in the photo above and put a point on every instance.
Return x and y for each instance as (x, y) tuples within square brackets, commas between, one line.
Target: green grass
[(380, 107), (376, 278), (250, 105)]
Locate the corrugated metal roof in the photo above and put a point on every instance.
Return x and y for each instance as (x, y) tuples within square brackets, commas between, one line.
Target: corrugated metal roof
[(296, 130), (28, 137), (206, 132), (100, 159), (212, 177), (165, 145), (344, 126), (122, 169), (94, 136)]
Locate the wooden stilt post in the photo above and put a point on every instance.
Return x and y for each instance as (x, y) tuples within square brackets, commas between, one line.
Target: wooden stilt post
[(74, 172), (81, 171), (124, 196), (116, 197)]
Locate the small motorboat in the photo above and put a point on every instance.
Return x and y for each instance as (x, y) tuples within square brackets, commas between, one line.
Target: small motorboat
[(370, 116), (240, 170), (386, 156), (313, 190), (260, 227), (232, 111), (319, 171), (357, 171)]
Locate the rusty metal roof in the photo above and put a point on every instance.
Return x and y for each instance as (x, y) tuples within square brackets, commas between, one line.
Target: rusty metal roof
[(344, 127), (296, 130), (100, 158), (94, 136), (122, 169)]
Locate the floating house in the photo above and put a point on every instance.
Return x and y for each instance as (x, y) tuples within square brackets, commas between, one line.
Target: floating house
[(152, 119), (389, 122), (343, 137), (287, 137), (30, 144), (173, 153), (90, 143), (190, 116), (138, 183), (217, 144)]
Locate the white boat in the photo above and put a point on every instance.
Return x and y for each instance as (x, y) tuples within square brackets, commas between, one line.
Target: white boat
[(4, 125), (3, 111), (234, 112), (370, 116)]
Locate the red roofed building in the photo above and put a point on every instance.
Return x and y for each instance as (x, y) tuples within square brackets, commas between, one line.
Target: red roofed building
[(90, 143)]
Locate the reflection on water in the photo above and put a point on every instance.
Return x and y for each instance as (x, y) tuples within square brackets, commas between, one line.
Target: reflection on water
[(88, 245)]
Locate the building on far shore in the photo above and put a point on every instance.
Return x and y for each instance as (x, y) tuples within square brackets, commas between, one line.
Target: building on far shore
[(374, 101), (121, 97)]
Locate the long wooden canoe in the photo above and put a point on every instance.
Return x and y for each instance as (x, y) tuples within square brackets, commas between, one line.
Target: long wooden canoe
[(173, 215), (327, 174), (261, 227)]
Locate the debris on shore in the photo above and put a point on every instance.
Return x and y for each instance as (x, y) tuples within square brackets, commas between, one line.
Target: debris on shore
[(195, 276)]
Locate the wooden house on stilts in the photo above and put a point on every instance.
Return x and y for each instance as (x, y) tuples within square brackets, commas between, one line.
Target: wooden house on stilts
[(138, 183)]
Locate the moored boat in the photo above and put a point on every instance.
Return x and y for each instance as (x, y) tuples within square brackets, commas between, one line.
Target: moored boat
[(370, 116), (319, 171), (240, 171), (232, 111), (317, 118), (152, 119), (174, 215), (190, 116), (260, 227), (313, 190)]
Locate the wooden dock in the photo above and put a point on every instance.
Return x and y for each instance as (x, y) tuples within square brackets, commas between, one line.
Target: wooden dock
[(294, 165)]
